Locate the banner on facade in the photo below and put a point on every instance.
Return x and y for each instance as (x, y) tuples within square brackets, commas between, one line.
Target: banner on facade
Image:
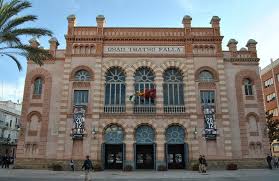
[(210, 131), (78, 130)]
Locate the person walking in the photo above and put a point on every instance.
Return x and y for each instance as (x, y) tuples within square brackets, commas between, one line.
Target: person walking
[(204, 164), (87, 165), (276, 162), (268, 159), (8, 161), (200, 164), (4, 160), (72, 165)]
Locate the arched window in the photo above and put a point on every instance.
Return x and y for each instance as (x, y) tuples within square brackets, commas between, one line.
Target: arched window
[(175, 135), (114, 135), (144, 80), (82, 75), (253, 126), (248, 87), (206, 76), (173, 87), (145, 135), (38, 85), (115, 89)]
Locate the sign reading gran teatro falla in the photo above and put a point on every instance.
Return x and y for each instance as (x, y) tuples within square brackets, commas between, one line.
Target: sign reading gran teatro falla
[(166, 50)]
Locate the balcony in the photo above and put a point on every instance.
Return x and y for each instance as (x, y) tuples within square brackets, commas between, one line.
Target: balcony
[(146, 109), (174, 109), (114, 109)]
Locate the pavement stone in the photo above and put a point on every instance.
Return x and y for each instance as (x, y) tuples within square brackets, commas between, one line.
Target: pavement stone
[(173, 175)]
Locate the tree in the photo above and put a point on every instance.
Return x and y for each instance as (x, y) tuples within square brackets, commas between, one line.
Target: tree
[(273, 127), (11, 31)]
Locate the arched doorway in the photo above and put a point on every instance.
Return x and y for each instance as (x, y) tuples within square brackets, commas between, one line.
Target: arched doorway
[(145, 148), (176, 149), (113, 147)]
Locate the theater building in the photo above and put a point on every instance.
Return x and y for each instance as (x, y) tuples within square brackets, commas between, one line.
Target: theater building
[(143, 97)]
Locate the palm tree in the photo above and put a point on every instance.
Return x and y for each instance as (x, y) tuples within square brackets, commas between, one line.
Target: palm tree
[(11, 31)]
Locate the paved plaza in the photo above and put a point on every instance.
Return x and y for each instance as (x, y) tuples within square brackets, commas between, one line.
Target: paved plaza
[(220, 175)]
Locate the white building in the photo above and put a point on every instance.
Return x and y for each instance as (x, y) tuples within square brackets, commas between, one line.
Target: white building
[(9, 126)]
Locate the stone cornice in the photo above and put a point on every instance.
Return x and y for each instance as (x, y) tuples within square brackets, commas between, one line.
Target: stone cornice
[(241, 59)]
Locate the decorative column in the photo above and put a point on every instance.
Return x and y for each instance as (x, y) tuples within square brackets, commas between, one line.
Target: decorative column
[(130, 90), (159, 92)]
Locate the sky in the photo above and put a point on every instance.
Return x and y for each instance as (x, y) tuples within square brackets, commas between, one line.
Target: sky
[(240, 19)]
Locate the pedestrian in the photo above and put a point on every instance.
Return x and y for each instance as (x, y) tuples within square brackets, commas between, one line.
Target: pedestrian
[(87, 165), (72, 165), (268, 159), (8, 161), (4, 160), (200, 164), (204, 164), (276, 162)]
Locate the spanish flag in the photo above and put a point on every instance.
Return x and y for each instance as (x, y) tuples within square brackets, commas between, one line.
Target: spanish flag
[(147, 93)]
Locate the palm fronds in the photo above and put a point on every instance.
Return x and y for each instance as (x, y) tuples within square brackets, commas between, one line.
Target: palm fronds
[(11, 30)]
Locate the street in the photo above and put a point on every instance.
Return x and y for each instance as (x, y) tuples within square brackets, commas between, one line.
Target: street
[(177, 175)]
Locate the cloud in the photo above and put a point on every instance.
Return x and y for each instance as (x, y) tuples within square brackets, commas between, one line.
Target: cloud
[(12, 91), (265, 32)]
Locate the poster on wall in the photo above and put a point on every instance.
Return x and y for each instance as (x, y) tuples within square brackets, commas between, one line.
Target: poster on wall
[(78, 130), (210, 131)]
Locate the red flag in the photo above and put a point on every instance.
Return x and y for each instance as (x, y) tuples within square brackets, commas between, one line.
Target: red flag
[(150, 93)]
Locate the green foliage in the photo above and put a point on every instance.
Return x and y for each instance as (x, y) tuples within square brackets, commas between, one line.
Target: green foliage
[(273, 128), (12, 28), (195, 167), (56, 167), (231, 166), (98, 167)]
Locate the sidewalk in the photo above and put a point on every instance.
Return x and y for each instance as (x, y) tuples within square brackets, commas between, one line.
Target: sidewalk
[(137, 175)]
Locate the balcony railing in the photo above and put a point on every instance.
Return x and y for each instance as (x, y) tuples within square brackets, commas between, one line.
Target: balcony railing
[(148, 109), (174, 109), (114, 109)]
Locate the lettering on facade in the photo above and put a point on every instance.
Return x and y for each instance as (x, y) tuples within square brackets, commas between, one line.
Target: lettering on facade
[(144, 50)]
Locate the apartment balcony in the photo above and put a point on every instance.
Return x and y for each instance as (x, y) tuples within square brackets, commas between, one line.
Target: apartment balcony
[(114, 109), (174, 109), (144, 109)]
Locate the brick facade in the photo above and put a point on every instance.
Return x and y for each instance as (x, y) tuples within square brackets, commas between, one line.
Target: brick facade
[(87, 48)]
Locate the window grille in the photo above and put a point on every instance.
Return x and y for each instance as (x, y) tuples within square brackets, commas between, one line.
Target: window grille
[(115, 91), (38, 84), (80, 97), (144, 80), (173, 91)]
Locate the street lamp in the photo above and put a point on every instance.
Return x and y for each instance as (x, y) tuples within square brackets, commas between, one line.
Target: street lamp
[(195, 132)]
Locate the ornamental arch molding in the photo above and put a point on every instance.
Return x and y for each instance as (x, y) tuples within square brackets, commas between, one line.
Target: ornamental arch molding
[(34, 113), (174, 64), (145, 134), (108, 64), (113, 134), (82, 67), (207, 68), (175, 134), (145, 63), (252, 114)]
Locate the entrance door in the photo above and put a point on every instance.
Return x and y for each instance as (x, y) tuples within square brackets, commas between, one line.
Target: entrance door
[(176, 158), (144, 156), (114, 156)]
